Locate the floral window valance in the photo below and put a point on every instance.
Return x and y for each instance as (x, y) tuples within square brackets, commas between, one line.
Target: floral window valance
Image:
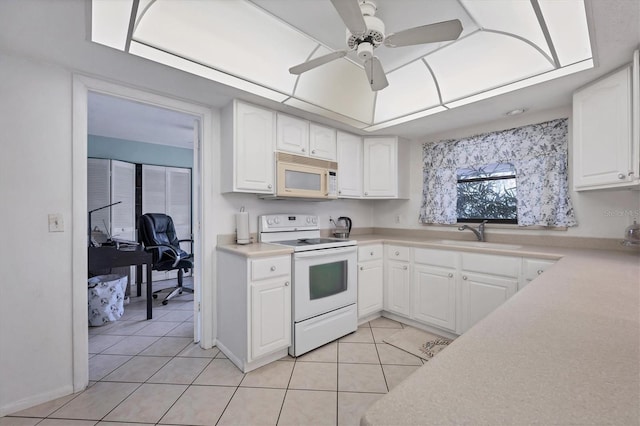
[(539, 155)]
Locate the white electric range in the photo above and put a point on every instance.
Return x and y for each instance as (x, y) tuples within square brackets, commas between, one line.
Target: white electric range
[(324, 276)]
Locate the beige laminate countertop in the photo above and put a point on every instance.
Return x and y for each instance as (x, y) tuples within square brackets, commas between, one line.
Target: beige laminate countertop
[(564, 350)]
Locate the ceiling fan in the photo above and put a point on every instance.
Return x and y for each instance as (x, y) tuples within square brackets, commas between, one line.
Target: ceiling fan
[(365, 33)]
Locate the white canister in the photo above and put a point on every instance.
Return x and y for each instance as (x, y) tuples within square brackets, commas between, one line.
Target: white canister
[(242, 228)]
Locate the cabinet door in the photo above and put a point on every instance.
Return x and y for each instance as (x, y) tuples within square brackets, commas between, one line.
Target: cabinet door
[(292, 135), (254, 145), (270, 316), (532, 268), (370, 287), (482, 294), (380, 168), (434, 296), (178, 202), (602, 132), (322, 142), (154, 189), (123, 190), (397, 286), (99, 193), (349, 165)]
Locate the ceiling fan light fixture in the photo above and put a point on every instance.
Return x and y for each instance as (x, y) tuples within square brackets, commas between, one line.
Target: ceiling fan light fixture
[(365, 51)]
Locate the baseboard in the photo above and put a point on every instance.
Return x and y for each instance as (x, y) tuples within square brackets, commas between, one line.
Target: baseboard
[(34, 400), (369, 317), (246, 366)]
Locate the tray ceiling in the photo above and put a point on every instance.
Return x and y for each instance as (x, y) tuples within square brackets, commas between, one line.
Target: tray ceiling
[(250, 45)]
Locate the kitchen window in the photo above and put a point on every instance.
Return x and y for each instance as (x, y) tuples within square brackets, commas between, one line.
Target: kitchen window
[(481, 169), (487, 193)]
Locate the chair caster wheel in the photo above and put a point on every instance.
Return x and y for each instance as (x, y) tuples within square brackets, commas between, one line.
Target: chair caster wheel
[(155, 296), (164, 302)]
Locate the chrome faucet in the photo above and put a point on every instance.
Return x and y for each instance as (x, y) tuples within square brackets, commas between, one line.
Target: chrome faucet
[(479, 232)]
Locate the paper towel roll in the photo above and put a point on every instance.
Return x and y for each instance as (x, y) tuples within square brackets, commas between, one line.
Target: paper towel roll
[(242, 228)]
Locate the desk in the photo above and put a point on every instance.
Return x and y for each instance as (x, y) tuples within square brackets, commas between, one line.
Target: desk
[(108, 257)]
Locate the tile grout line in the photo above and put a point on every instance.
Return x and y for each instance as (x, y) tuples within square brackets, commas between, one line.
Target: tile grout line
[(286, 391)]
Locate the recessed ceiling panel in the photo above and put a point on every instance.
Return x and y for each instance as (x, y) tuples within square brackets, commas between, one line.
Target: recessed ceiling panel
[(230, 36), (339, 86), (484, 61), (567, 23), (411, 88), (514, 17)]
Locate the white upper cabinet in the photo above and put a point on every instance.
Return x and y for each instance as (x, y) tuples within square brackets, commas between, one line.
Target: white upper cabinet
[(292, 135), (386, 166), (605, 136), (349, 165), (248, 146), (322, 142)]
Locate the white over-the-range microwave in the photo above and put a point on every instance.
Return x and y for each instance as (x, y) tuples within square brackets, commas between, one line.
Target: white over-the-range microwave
[(305, 177)]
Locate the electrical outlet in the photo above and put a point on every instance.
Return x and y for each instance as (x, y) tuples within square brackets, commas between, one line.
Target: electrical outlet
[(56, 224), (398, 219)]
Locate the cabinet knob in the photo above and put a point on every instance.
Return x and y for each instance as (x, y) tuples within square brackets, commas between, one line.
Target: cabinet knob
[(621, 176), (371, 254), (450, 275), (404, 267), (303, 150), (286, 283), (366, 193), (313, 152), (273, 268), (362, 268), (540, 271), (269, 186), (339, 192), (464, 277), (397, 253)]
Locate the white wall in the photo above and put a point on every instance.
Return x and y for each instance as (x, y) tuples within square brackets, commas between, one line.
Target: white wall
[(599, 213), (35, 293)]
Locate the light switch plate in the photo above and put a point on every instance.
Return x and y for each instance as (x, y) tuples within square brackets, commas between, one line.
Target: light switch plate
[(56, 224)]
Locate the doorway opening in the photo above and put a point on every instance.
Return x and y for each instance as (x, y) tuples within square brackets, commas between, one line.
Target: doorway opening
[(149, 155)]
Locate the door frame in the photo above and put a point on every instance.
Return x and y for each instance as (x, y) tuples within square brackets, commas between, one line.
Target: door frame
[(202, 202)]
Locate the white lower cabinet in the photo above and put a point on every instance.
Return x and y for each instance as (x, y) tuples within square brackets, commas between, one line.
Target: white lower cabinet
[(370, 287), (434, 296), (397, 298), (270, 316), (482, 294), (254, 308), (532, 268)]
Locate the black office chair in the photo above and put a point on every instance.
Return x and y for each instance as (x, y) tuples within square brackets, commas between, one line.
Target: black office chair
[(158, 235)]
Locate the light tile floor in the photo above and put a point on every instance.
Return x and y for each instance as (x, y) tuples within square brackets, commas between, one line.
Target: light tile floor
[(151, 372)]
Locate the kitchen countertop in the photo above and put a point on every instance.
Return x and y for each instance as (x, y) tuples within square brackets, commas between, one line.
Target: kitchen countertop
[(256, 249), (563, 350)]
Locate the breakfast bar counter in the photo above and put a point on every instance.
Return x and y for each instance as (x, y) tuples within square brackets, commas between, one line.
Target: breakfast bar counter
[(563, 350)]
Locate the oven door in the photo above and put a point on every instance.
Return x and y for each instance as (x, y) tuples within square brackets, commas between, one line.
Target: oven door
[(323, 280)]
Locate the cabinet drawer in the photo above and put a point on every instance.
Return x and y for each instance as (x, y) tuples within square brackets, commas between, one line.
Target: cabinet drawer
[(372, 252), (491, 264), (270, 267), (535, 267), (397, 253), (441, 258)]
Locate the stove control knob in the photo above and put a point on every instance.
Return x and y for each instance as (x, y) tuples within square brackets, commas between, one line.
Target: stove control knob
[(308, 219), (314, 220), (276, 220), (269, 221)]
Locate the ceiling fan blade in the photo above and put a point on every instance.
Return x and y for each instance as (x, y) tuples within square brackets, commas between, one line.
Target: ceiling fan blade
[(431, 33), (375, 74), (316, 62), (349, 11)]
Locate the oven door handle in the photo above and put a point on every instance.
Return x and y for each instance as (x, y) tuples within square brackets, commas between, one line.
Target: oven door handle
[(324, 252)]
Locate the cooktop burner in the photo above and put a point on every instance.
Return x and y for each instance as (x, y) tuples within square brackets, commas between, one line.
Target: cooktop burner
[(306, 242)]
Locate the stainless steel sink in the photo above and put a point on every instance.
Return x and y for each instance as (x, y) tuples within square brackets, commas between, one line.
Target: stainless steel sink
[(479, 244)]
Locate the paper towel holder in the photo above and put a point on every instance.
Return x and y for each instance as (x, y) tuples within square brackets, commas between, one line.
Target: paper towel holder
[(242, 227)]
